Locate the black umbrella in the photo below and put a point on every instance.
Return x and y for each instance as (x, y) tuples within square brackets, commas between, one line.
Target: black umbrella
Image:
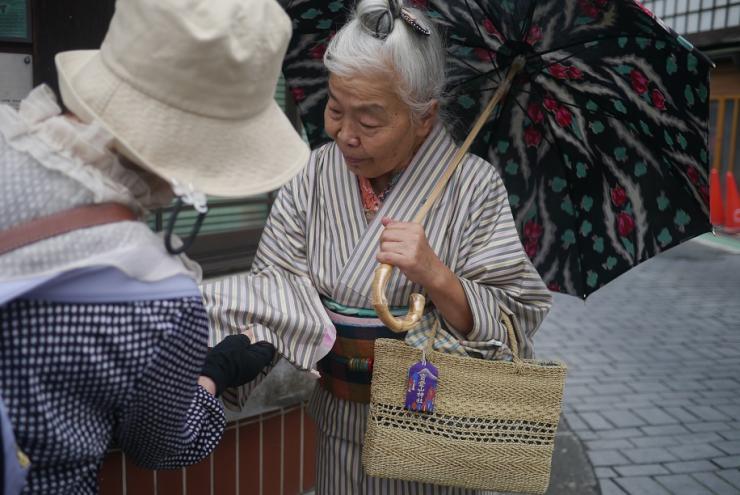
[(601, 140)]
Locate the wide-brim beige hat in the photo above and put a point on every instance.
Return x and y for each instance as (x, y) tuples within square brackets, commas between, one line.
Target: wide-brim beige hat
[(232, 143)]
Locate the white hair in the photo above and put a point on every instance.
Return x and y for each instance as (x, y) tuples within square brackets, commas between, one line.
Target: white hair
[(376, 41)]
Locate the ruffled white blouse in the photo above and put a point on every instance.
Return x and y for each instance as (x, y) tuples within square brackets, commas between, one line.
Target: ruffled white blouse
[(51, 162)]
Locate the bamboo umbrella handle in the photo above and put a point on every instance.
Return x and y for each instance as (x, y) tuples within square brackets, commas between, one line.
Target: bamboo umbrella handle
[(416, 303), (383, 272)]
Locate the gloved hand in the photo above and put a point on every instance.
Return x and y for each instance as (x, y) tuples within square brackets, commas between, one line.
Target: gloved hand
[(235, 361)]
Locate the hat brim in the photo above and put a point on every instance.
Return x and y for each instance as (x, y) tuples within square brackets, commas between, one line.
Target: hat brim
[(220, 157)]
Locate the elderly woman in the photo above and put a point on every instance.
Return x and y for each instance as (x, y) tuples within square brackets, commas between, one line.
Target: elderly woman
[(309, 290)]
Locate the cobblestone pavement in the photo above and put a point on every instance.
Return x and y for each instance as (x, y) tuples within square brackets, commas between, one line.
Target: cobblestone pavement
[(654, 384)]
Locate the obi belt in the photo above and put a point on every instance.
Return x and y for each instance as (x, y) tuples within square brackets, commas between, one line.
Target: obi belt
[(346, 372)]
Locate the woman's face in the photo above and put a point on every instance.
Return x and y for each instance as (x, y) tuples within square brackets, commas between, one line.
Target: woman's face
[(372, 126)]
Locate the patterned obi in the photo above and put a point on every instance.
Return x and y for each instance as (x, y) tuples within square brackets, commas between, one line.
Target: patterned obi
[(346, 371)]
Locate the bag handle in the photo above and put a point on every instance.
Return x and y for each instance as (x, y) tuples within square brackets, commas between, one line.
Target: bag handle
[(505, 319), (513, 342)]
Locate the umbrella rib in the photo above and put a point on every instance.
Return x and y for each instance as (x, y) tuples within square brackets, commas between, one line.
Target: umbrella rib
[(544, 136), (584, 41), (480, 34), (570, 190), (488, 15), (528, 23), (572, 105), (561, 60), (570, 55), (479, 75), (555, 145)]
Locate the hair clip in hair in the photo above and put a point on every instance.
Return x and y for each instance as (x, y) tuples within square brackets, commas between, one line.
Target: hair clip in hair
[(411, 20), (386, 16)]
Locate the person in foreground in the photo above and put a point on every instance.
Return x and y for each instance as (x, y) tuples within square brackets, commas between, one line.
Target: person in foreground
[(103, 332), (308, 293)]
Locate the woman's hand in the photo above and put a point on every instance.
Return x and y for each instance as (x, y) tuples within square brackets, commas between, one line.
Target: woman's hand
[(207, 384), (404, 245), (234, 362)]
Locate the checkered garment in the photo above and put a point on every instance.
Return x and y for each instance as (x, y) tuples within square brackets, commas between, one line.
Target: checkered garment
[(102, 333), (75, 377)]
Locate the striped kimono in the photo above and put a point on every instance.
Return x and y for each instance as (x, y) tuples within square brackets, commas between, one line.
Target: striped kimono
[(318, 244)]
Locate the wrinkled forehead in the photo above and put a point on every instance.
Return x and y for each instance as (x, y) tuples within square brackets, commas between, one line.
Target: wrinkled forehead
[(368, 93)]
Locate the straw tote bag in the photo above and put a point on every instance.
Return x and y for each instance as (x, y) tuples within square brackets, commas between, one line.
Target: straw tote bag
[(493, 425)]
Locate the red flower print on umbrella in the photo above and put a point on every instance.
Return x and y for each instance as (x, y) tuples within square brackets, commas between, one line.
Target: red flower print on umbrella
[(318, 51), (550, 103), (533, 230), (532, 137), (644, 9), (704, 191), (693, 174), (563, 117), (639, 81), (534, 112), (534, 35), (559, 71), (625, 224), (485, 55), (491, 29), (532, 233), (658, 99), (574, 72), (588, 8), (619, 196), (298, 94)]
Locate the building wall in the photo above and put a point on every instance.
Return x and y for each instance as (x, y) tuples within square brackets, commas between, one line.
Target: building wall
[(694, 16)]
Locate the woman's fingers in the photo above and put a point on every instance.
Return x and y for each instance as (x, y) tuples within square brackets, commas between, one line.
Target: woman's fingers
[(391, 258), (393, 247), (403, 232), (386, 221), (395, 235), (389, 223)]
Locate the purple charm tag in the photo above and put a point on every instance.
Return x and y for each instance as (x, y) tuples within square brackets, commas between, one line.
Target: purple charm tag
[(422, 387)]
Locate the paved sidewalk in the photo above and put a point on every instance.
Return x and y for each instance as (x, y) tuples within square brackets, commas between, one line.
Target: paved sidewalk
[(654, 384)]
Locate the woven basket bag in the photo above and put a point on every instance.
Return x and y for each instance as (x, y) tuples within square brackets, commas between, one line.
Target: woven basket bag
[(493, 427)]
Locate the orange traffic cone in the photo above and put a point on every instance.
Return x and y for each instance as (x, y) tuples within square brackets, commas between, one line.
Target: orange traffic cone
[(732, 205), (716, 211)]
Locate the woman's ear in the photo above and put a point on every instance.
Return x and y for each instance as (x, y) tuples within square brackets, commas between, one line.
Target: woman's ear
[(429, 120)]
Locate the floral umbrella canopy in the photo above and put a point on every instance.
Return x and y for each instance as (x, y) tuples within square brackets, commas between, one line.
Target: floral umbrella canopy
[(601, 140)]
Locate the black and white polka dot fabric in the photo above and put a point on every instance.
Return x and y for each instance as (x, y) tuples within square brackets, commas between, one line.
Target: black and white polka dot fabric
[(76, 377)]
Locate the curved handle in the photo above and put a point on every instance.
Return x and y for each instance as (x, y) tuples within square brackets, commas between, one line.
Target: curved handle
[(509, 325), (171, 227), (416, 303)]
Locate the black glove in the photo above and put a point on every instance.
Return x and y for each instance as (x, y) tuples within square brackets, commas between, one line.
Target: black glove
[(234, 361)]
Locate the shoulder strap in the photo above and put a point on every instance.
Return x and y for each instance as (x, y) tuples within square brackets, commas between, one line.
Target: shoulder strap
[(63, 222)]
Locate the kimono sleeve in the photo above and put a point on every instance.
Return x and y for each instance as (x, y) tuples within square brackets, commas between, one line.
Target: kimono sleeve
[(497, 275), (276, 302)]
